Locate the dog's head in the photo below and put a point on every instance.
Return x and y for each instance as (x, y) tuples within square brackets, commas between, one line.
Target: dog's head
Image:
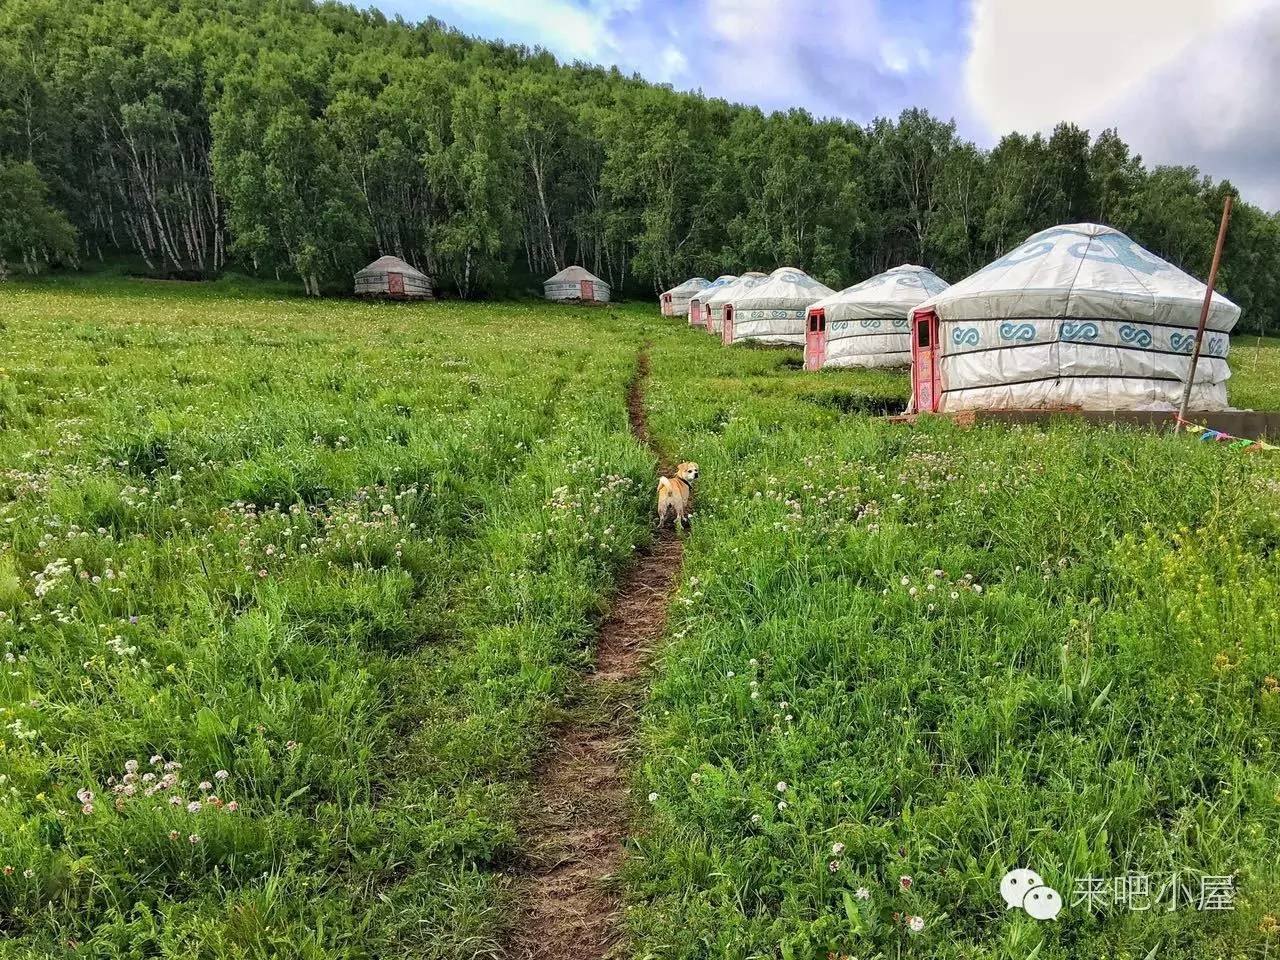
[(688, 472)]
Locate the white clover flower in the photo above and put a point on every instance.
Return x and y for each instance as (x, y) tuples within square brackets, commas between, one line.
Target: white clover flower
[(915, 923), (837, 849), (221, 775), (756, 819), (193, 806), (653, 798), (863, 893), (782, 786), (131, 766), (782, 804)]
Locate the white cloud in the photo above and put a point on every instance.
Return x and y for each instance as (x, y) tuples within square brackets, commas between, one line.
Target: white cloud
[(1185, 82)]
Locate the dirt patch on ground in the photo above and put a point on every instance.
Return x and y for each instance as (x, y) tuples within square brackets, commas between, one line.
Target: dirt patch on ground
[(570, 908)]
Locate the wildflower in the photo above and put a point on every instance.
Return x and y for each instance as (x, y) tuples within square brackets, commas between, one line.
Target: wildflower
[(837, 849), (291, 745), (131, 766), (653, 797), (173, 834), (1268, 924), (756, 819), (84, 795), (862, 893), (232, 807), (782, 786), (938, 574), (87, 809), (221, 775), (782, 804), (905, 882), (157, 760), (833, 866), (193, 839), (915, 923), (28, 873), (193, 806), (977, 588), (906, 581), (695, 777), (175, 801), (206, 786), (8, 871)]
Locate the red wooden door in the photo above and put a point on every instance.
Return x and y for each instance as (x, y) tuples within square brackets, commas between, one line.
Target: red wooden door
[(585, 290), (395, 284), (815, 341), (926, 390), (726, 328)]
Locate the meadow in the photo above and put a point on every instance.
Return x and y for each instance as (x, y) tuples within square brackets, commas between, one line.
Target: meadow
[(291, 594)]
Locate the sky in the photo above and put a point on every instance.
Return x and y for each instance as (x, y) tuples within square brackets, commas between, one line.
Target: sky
[(1184, 82)]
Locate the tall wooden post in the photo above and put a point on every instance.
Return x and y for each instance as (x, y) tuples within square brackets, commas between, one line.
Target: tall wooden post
[(1204, 310)]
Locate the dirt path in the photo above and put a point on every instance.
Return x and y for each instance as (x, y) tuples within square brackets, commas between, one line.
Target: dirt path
[(571, 910)]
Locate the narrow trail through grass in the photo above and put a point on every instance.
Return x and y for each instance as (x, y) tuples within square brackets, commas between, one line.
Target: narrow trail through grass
[(580, 806)]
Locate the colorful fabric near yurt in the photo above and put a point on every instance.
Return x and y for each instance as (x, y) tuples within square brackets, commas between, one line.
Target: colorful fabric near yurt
[(395, 279), (868, 324), (772, 312), (1077, 317), (697, 303), (576, 284), (675, 302), (714, 304)]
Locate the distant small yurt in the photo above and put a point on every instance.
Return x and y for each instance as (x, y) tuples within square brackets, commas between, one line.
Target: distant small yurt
[(868, 324), (714, 304), (772, 312), (576, 285), (697, 303), (675, 302), (1079, 317), (393, 278)]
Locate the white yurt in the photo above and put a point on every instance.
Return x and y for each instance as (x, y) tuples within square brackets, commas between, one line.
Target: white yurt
[(675, 302), (1078, 317), (714, 304), (576, 284), (697, 303), (393, 278), (772, 312), (868, 324)]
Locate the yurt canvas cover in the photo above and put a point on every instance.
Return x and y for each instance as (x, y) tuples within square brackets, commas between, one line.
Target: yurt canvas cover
[(675, 302), (868, 324), (697, 303), (394, 278), (715, 303), (773, 312), (1077, 317), (575, 283)]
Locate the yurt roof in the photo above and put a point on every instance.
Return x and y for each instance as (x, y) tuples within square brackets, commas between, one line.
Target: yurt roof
[(689, 287), (574, 274), (391, 264), (890, 294), (705, 293), (731, 290), (1082, 270), (786, 288)]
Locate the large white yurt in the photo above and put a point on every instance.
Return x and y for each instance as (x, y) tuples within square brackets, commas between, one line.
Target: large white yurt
[(697, 303), (714, 304), (772, 312), (395, 279), (1078, 317), (675, 302), (868, 324), (576, 284)]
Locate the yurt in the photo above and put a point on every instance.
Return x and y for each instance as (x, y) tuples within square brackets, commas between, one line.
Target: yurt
[(868, 324), (772, 312), (675, 302), (575, 284), (697, 303), (393, 278), (1078, 317), (714, 304)]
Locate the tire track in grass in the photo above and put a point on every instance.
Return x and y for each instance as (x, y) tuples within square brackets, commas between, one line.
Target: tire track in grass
[(569, 906)]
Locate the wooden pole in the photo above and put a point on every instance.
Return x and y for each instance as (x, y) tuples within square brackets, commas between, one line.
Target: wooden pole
[(1204, 310)]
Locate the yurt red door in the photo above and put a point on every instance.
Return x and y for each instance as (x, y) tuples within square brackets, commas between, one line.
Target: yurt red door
[(925, 388), (726, 328), (815, 340), (666, 304), (585, 290), (395, 284)]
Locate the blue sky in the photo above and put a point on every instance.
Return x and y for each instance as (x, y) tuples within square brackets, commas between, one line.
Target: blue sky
[(1185, 81)]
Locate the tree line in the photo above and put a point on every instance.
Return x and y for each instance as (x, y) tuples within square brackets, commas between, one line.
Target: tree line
[(301, 139)]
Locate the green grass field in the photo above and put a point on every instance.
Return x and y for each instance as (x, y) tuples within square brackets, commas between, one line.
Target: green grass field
[(292, 591)]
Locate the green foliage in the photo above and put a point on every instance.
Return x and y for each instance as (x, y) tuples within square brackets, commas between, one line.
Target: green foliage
[(939, 653), (303, 139), (339, 562), (31, 231)]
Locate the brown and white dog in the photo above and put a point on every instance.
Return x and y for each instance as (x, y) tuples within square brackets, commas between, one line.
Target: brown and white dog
[(675, 495)]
